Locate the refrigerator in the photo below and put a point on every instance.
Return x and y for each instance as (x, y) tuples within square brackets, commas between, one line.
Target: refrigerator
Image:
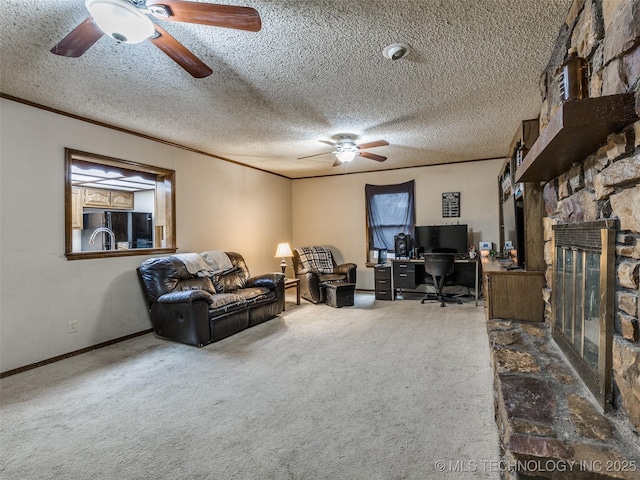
[(135, 229)]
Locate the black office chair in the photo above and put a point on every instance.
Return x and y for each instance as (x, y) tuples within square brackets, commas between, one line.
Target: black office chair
[(439, 266)]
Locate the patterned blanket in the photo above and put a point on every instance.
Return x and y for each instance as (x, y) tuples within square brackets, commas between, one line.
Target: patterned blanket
[(317, 259)]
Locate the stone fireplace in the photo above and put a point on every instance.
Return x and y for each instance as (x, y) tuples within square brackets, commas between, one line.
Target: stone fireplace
[(598, 185), (585, 164), (606, 186)]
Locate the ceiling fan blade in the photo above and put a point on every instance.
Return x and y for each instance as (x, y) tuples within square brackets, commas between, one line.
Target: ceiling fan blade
[(337, 163), (79, 39), (378, 143), (228, 16), (316, 155), (180, 54), (372, 156), (328, 143)]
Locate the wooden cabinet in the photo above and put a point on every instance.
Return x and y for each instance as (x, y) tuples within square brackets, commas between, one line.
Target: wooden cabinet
[(512, 295), (521, 205), (76, 208), (120, 199), (383, 287), (97, 197), (103, 198), (517, 294)]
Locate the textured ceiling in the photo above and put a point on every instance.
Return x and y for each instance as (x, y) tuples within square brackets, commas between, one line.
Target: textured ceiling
[(313, 72)]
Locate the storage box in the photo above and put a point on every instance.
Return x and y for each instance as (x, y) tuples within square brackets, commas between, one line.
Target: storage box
[(340, 294)]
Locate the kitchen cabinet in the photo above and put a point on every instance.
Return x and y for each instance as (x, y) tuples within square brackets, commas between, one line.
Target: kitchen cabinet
[(76, 208), (103, 198), (122, 200), (96, 197)]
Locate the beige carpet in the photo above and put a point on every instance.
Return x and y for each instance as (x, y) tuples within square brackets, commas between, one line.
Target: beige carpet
[(381, 390)]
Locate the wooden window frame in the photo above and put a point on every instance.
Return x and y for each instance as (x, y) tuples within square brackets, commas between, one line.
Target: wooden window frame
[(408, 187), (164, 205)]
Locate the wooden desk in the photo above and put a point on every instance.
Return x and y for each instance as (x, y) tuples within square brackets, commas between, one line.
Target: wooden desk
[(292, 283), (408, 274), (512, 294)]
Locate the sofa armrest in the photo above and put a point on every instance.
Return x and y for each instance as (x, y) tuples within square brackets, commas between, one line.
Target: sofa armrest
[(345, 268), (310, 286), (349, 269), (186, 296), (268, 280)]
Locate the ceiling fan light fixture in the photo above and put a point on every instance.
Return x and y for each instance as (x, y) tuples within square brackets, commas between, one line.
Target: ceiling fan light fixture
[(346, 156), (121, 20), (346, 149)]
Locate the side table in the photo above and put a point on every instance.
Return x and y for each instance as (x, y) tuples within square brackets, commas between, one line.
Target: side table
[(292, 283)]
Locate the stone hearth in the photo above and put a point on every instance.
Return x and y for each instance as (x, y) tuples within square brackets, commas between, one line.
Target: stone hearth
[(550, 425)]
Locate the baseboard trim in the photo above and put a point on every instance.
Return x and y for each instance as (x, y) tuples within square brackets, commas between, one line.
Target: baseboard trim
[(73, 354)]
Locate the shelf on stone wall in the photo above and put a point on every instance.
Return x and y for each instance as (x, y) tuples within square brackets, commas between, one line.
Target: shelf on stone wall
[(576, 130)]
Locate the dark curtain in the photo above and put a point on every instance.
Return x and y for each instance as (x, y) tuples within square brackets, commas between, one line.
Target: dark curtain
[(390, 210)]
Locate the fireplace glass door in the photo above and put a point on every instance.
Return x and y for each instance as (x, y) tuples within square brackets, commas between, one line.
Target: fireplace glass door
[(582, 300), (592, 310)]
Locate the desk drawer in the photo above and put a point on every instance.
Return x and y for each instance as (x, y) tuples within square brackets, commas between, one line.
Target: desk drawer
[(384, 294), (404, 275), (399, 266), (383, 272), (406, 281)]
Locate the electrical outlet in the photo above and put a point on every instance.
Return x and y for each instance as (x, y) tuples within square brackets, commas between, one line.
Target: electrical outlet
[(73, 326)]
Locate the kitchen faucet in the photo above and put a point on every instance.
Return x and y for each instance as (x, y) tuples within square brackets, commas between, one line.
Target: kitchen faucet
[(112, 236)]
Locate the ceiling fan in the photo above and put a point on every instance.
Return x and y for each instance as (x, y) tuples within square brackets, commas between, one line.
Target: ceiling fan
[(346, 150), (128, 21)]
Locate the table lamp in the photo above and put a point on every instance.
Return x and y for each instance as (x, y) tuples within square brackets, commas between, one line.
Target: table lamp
[(283, 250)]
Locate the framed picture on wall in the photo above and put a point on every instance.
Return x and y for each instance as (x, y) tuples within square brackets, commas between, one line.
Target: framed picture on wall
[(450, 204)]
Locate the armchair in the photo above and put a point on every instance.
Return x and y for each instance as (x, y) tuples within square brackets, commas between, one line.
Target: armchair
[(315, 267)]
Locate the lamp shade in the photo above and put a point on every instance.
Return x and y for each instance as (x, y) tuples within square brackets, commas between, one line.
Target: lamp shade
[(283, 250), (346, 157), (121, 20)]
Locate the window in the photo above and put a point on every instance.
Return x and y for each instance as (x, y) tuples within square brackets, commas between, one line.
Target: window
[(117, 208), (390, 210)]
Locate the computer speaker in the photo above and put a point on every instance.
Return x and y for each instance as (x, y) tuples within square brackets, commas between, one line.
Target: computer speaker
[(402, 243)]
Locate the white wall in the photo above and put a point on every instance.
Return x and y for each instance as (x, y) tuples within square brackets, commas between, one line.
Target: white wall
[(219, 205), (331, 210)]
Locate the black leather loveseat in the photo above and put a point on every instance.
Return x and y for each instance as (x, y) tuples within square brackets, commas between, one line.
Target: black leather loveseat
[(198, 310)]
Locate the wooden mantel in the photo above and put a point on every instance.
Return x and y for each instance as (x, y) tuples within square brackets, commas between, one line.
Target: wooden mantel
[(576, 130)]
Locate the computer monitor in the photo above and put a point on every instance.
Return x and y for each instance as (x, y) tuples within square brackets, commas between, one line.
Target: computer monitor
[(440, 237)]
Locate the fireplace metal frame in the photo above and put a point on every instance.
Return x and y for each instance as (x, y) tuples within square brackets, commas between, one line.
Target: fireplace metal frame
[(583, 238)]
